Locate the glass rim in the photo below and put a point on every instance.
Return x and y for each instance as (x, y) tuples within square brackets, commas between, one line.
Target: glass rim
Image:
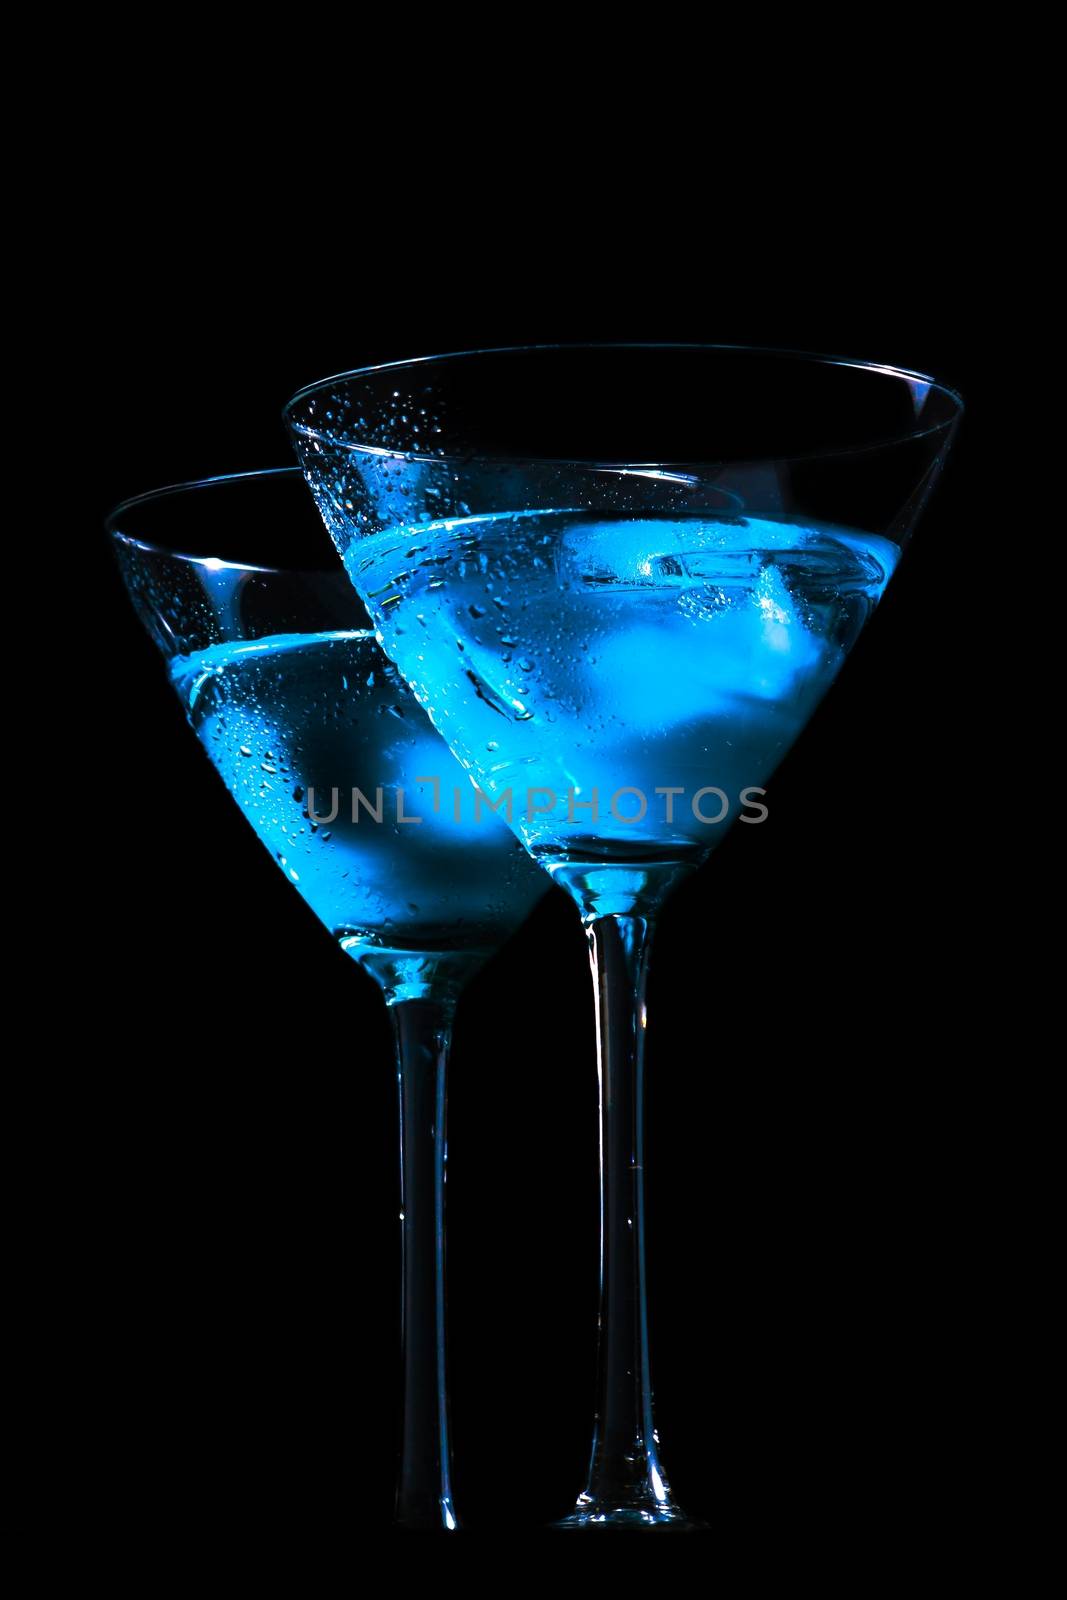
[(211, 563), (883, 368)]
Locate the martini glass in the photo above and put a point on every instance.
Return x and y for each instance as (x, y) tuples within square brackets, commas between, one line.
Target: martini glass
[(361, 806), (620, 579)]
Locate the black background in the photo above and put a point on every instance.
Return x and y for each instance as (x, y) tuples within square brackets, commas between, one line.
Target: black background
[(236, 1242)]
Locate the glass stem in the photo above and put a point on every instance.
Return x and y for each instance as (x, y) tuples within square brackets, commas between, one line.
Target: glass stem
[(423, 1034), (626, 1481)]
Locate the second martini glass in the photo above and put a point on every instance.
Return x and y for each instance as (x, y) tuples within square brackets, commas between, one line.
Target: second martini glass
[(620, 579), (361, 806)]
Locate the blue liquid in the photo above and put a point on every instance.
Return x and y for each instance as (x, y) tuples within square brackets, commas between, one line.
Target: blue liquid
[(286, 721), (571, 653)]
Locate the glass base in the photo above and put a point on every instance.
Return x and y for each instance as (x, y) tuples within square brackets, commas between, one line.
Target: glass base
[(628, 1519), (434, 1516)]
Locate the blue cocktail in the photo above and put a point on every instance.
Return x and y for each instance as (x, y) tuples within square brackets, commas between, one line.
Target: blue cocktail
[(620, 579), (361, 806)]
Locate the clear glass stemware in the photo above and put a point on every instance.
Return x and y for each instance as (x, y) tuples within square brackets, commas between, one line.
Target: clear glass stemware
[(620, 579), (361, 806)]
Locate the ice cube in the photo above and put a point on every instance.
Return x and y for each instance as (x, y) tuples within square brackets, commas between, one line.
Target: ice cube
[(663, 553), (749, 645)]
